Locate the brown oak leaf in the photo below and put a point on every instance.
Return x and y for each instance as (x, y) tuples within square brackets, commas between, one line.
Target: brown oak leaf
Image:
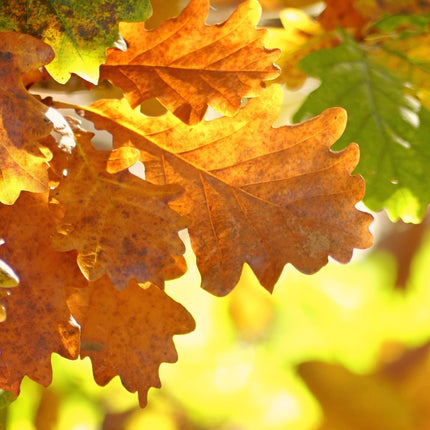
[(23, 162), (255, 194), (188, 65), (38, 321), (128, 333), (120, 224)]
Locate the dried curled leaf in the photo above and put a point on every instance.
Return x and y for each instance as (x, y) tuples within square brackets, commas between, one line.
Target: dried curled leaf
[(128, 333), (23, 162), (188, 65), (256, 194), (120, 224), (38, 321)]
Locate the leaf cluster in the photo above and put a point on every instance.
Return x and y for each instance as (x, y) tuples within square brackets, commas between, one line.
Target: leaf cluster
[(93, 244)]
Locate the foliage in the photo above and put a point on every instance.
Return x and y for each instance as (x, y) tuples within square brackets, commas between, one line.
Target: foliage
[(93, 244)]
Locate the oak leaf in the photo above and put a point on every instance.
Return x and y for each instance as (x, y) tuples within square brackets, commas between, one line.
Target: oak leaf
[(79, 32), (120, 224), (23, 161), (188, 65), (256, 194), (38, 321), (390, 127), (128, 333)]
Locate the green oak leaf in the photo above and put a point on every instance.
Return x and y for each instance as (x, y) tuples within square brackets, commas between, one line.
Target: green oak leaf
[(391, 128), (78, 31)]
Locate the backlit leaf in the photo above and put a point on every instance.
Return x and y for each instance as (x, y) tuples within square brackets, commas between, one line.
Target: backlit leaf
[(390, 127), (256, 194), (38, 321), (79, 32), (188, 65), (23, 162), (128, 333), (120, 224)]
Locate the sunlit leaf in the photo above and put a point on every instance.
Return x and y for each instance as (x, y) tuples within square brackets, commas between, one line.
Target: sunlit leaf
[(23, 162), (256, 194), (188, 65), (79, 32)]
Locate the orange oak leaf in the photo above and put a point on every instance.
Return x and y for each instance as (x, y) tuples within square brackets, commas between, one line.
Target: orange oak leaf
[(128, 333), (188, 65), (38, 321), (256, 194), (23, 162), (120, 224)]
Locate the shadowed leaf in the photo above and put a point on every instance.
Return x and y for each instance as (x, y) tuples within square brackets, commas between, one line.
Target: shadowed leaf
[(393, 397), (120, 224)]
